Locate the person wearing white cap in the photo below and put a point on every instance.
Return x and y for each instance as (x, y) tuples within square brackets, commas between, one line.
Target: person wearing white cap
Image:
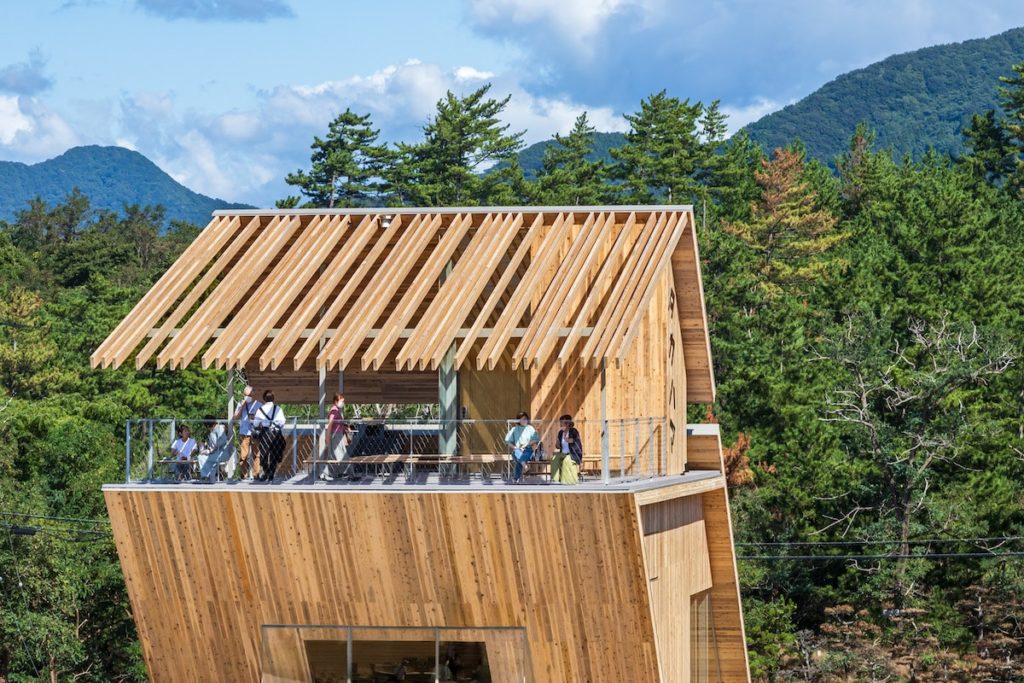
[(248, 447)]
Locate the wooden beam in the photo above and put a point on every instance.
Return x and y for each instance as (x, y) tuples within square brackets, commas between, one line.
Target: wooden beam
[(617, 297), (598, 288), (310, 307), (458, 295), (513, 313), (499, 290), (374, 300), (426, 280), (225, 260), (171, 285)]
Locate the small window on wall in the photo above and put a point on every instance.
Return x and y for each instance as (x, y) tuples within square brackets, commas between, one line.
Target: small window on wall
[(704, 667)]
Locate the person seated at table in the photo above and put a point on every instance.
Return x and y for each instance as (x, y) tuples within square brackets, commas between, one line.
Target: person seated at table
[(522, 439), (568, 455), (182, 450), (216, 451)]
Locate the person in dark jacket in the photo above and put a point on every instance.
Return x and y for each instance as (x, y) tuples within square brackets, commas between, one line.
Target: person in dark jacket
[(565, 464)]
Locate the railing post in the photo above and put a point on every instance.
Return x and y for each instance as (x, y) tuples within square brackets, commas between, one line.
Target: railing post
[(650, 443), (149, 455), (636, 442), (295, 445), (605, 465), (622, 450), (128, 452), (664, 443)]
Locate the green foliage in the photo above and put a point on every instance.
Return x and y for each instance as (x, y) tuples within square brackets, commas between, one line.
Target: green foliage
[(464, 137), (567, 175), (345, 167)]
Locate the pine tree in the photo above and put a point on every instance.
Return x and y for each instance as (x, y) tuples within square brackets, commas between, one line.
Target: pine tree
[(568, 176), (992, 157), (1013, 104), (345, 167), (464, 138), (787, 229), (662, 153)]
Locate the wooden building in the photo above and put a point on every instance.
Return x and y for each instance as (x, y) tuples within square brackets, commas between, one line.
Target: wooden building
[(593, 311)]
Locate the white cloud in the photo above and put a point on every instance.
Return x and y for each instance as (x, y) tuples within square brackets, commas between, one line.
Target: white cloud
[(30, 132), (740, 116)]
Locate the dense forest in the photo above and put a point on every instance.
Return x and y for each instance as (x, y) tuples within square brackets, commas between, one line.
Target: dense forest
[(865, 328)]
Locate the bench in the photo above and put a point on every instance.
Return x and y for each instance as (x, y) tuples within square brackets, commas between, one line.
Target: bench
[(385, 465)]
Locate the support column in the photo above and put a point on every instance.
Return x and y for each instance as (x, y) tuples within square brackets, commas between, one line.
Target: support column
[(448, 393), (229, 429), (605, 465)]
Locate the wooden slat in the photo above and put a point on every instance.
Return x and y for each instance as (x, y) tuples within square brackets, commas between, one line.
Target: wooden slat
[(426, 279), (576, 279), (152, 306), (627, 332), (550, 295), (617, 297), (634, 290), (599, 287), (232, 289), (351, 287), (225, 260), (372, 302), (246, 320), (303, 314), (458, 295), (547, 251), (693, 319), (499, 292), (296, 272)]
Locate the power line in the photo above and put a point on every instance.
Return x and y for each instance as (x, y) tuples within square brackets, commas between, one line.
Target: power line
[(25, 515), (929, 541), (912, 556)]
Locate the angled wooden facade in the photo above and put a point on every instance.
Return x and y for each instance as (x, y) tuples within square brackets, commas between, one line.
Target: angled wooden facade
[(593, 311)]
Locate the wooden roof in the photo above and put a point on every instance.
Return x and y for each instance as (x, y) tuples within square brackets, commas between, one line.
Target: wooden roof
[(401, 286)]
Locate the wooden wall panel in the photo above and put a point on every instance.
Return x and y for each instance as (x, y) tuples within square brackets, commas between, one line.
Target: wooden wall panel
[(725, 592), (693, 317), (208, 568), (382, 386), (676, 554)]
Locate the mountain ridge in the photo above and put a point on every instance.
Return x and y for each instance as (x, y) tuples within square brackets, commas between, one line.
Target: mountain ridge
[(110, 177)]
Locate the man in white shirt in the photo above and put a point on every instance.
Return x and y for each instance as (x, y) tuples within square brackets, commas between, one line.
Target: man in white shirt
[(268, 425), (248, 447), (522, 439)]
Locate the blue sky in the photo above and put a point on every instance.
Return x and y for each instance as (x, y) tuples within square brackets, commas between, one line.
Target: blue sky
[(226, 94)]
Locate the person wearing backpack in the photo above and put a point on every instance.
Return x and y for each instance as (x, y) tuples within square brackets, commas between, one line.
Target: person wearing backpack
[(248, 448), (268, 427)]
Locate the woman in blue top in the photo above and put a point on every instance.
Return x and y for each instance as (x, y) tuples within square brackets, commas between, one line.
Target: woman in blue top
[(522, 439)]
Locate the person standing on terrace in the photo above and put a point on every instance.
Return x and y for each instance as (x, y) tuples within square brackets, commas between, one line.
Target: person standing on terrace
[(338, 430), (248, 450), (268, 425), (522, 439)]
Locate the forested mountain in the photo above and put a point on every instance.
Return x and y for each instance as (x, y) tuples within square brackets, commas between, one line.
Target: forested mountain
[(912, 101), (865, 327), (532, 157), (110, 176)]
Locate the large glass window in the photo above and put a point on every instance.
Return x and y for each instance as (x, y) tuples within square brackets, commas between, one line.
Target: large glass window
[(704, 666), (344, 654)]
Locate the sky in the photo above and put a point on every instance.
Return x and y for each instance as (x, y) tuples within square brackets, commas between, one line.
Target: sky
[(226, 95)]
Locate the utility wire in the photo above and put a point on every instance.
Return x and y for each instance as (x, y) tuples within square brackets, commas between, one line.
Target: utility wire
[(25, 515), (915, 556), (783, 544)]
